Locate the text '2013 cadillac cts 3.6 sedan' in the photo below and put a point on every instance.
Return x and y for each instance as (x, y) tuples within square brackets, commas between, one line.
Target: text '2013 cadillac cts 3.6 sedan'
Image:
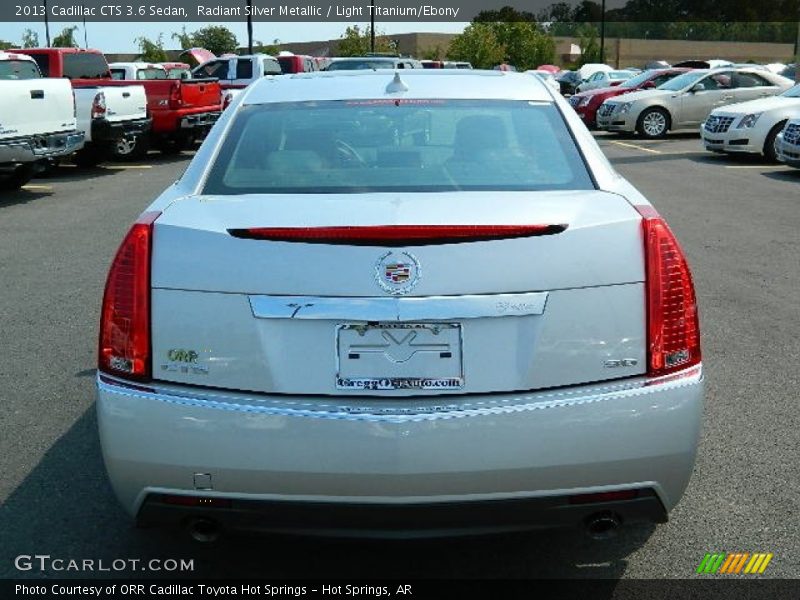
[(399, 305)]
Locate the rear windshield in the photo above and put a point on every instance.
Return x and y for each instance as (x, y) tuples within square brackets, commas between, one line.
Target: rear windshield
[(358, 65), (151, 73), (84, 65), (388, 145), (19, 69)]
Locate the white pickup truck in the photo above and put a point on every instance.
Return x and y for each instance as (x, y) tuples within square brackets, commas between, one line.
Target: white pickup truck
[(237, 72), (37, 120), (109, 112)]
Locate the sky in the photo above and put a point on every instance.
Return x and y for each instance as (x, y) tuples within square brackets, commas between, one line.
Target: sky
[(120, 37)]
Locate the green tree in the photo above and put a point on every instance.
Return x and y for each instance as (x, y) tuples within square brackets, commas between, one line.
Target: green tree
[(478, 45), (262, 48), (152, 50), (520, 40), (184, 38), (30, 39), (66, 39), (216, 38), (4, 45), (589, 44), (356, 42), (435, 53)]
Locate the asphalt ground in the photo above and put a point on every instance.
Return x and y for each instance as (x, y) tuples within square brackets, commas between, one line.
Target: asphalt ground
[(739, 222)]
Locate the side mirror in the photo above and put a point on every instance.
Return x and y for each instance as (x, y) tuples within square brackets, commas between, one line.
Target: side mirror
[(698, 87), (648, 85)]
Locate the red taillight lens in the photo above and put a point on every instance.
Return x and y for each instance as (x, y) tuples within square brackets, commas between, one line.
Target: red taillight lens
[(226, 100), (99, 106), (175, 97), (395, 235), (125, 318), (673, 328)]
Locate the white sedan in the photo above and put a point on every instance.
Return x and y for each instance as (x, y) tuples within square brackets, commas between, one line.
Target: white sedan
[(548, 77), (788, 144), (604, 79), (399, 304), (751, 126)]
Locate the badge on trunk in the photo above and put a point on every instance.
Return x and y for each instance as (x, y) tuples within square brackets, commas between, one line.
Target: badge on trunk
[(397, 272)]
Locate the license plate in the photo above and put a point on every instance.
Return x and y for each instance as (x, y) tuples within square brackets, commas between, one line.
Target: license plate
[(399, 356)]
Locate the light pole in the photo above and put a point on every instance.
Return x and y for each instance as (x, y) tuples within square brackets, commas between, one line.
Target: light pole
[(46, 25), (85, 35), (249, 26), (372, 26), (603, 32)]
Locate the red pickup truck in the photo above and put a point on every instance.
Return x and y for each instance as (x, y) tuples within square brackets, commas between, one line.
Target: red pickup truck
[(182, 110)]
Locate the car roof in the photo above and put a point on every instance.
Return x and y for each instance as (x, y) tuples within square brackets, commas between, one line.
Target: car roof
[(421, 83), (12, 55)]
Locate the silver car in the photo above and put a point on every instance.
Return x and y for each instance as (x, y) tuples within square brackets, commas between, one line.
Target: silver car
[(399, 304), (686, 100)]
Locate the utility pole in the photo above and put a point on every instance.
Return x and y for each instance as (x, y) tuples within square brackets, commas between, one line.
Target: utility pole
[(603, 32), (249, 26), (372, 26), (85, 35), (46, 24)]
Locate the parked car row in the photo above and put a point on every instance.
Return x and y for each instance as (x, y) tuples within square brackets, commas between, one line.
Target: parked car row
[(61, 101)]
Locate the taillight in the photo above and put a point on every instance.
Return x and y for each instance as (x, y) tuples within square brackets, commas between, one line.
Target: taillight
[(175, 97), (99, 105), (124, 348), (673, 328), (226, 101)]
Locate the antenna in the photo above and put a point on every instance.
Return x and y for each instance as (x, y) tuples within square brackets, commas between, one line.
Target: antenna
[(396, 85)]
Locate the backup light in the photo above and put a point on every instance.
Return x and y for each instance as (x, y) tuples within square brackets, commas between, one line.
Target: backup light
[(673, 328), (124, 345)]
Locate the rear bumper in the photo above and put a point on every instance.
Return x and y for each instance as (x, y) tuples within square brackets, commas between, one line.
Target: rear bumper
[(401, 521), (104, 130), (38, 147), (175, 122), (788, 153), (291, 455)]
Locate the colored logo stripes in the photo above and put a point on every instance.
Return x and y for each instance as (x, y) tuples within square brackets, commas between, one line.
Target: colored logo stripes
[(735, 563)]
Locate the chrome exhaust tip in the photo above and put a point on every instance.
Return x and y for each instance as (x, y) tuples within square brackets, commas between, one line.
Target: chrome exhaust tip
[(603, 525), (204, 531)]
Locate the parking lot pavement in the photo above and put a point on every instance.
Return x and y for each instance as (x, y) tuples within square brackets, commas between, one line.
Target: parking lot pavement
[(738, 221)]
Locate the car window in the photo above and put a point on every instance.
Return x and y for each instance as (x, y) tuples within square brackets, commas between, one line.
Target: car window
[(718, 81), (272, 67), (383, 145), (746, 80), (19, 69), (214, 68), (84, 65), (149, 73), (118, 74), (244, 69)]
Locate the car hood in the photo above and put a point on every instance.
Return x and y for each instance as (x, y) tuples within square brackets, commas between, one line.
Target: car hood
[(759, 105), (606, 91), (642, 95)]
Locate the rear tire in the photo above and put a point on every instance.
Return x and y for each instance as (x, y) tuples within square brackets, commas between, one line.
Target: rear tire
[(653, 123), (19, 177), (132, 148), (89, 156), (769, 151)]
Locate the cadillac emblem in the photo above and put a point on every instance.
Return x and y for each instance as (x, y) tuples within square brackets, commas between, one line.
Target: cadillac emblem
[(397, 272)]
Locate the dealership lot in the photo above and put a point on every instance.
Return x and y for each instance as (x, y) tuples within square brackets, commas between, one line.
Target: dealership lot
[(738, 221)]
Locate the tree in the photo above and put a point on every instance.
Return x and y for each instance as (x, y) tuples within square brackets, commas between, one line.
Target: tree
[(520, 41), (478, 45), (435, 53), (152, 51), (262, 48), (184, 38), (4, 45), (355, 42), (30, 39), (66, 39), (590, 46), (215, 38)]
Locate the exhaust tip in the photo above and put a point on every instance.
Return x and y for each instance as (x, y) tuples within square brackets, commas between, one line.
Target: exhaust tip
[(204, 531), (603, 526)]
